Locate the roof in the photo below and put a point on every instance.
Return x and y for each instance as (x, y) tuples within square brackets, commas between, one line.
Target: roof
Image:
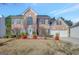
[(17, 16), (51, 21), (43, 16), (63, 21), (28, 10)]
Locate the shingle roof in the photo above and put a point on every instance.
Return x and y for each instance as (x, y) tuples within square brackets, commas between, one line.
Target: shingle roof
[(29, 8), (43, 16), (17, 16)]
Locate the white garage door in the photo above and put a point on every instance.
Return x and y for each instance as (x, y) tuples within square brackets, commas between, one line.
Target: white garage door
[(63, 33)]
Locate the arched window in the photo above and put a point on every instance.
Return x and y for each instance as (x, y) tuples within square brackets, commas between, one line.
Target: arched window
[(29, 21)]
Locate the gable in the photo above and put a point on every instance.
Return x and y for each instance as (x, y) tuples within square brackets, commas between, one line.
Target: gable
[(30, 13), (63, 22), (59, 22), (29, 10)]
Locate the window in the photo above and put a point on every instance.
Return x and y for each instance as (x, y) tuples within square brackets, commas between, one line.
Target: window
[(21, 21), (59, 23), (42, 21), (16, 21), (29, 21)]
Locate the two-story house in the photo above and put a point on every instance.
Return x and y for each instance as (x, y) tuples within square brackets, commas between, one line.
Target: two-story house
[(30, 19)]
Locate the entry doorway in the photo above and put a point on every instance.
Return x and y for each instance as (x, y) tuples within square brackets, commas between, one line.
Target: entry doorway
[(30, 31)]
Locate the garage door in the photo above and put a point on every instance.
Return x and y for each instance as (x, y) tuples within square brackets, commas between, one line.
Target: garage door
[(63, 33)]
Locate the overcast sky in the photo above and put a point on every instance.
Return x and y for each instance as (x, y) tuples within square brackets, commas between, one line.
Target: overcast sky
[(68, 11)]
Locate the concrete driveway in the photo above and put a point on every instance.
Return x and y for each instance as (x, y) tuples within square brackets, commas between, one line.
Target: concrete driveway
[(72, 40)]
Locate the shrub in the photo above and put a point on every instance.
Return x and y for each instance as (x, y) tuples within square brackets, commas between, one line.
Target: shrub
[(26, 33), (23, 33), (34, 33)]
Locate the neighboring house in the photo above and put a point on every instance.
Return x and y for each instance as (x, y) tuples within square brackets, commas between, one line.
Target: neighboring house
[(38, 24), (74, 31), (2, 26)]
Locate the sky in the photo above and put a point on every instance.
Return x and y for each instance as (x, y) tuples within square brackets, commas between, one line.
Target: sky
[(70, 11)]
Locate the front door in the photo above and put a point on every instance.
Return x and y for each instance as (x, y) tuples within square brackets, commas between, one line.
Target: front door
[(30, 31), (30, 23)]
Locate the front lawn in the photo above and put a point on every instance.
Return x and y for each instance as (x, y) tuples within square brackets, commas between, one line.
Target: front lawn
[(37, 47)]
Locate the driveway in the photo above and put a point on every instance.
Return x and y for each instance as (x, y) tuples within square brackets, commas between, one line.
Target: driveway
[(73, 40)]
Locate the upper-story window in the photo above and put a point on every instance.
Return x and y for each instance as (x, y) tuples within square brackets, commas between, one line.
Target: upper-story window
[(59, 23), (29, 20), (42, 21), (16, 21)]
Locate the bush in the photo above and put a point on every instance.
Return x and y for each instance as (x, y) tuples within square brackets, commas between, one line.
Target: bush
[(23, 33), (34, 33), (26, 33)]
